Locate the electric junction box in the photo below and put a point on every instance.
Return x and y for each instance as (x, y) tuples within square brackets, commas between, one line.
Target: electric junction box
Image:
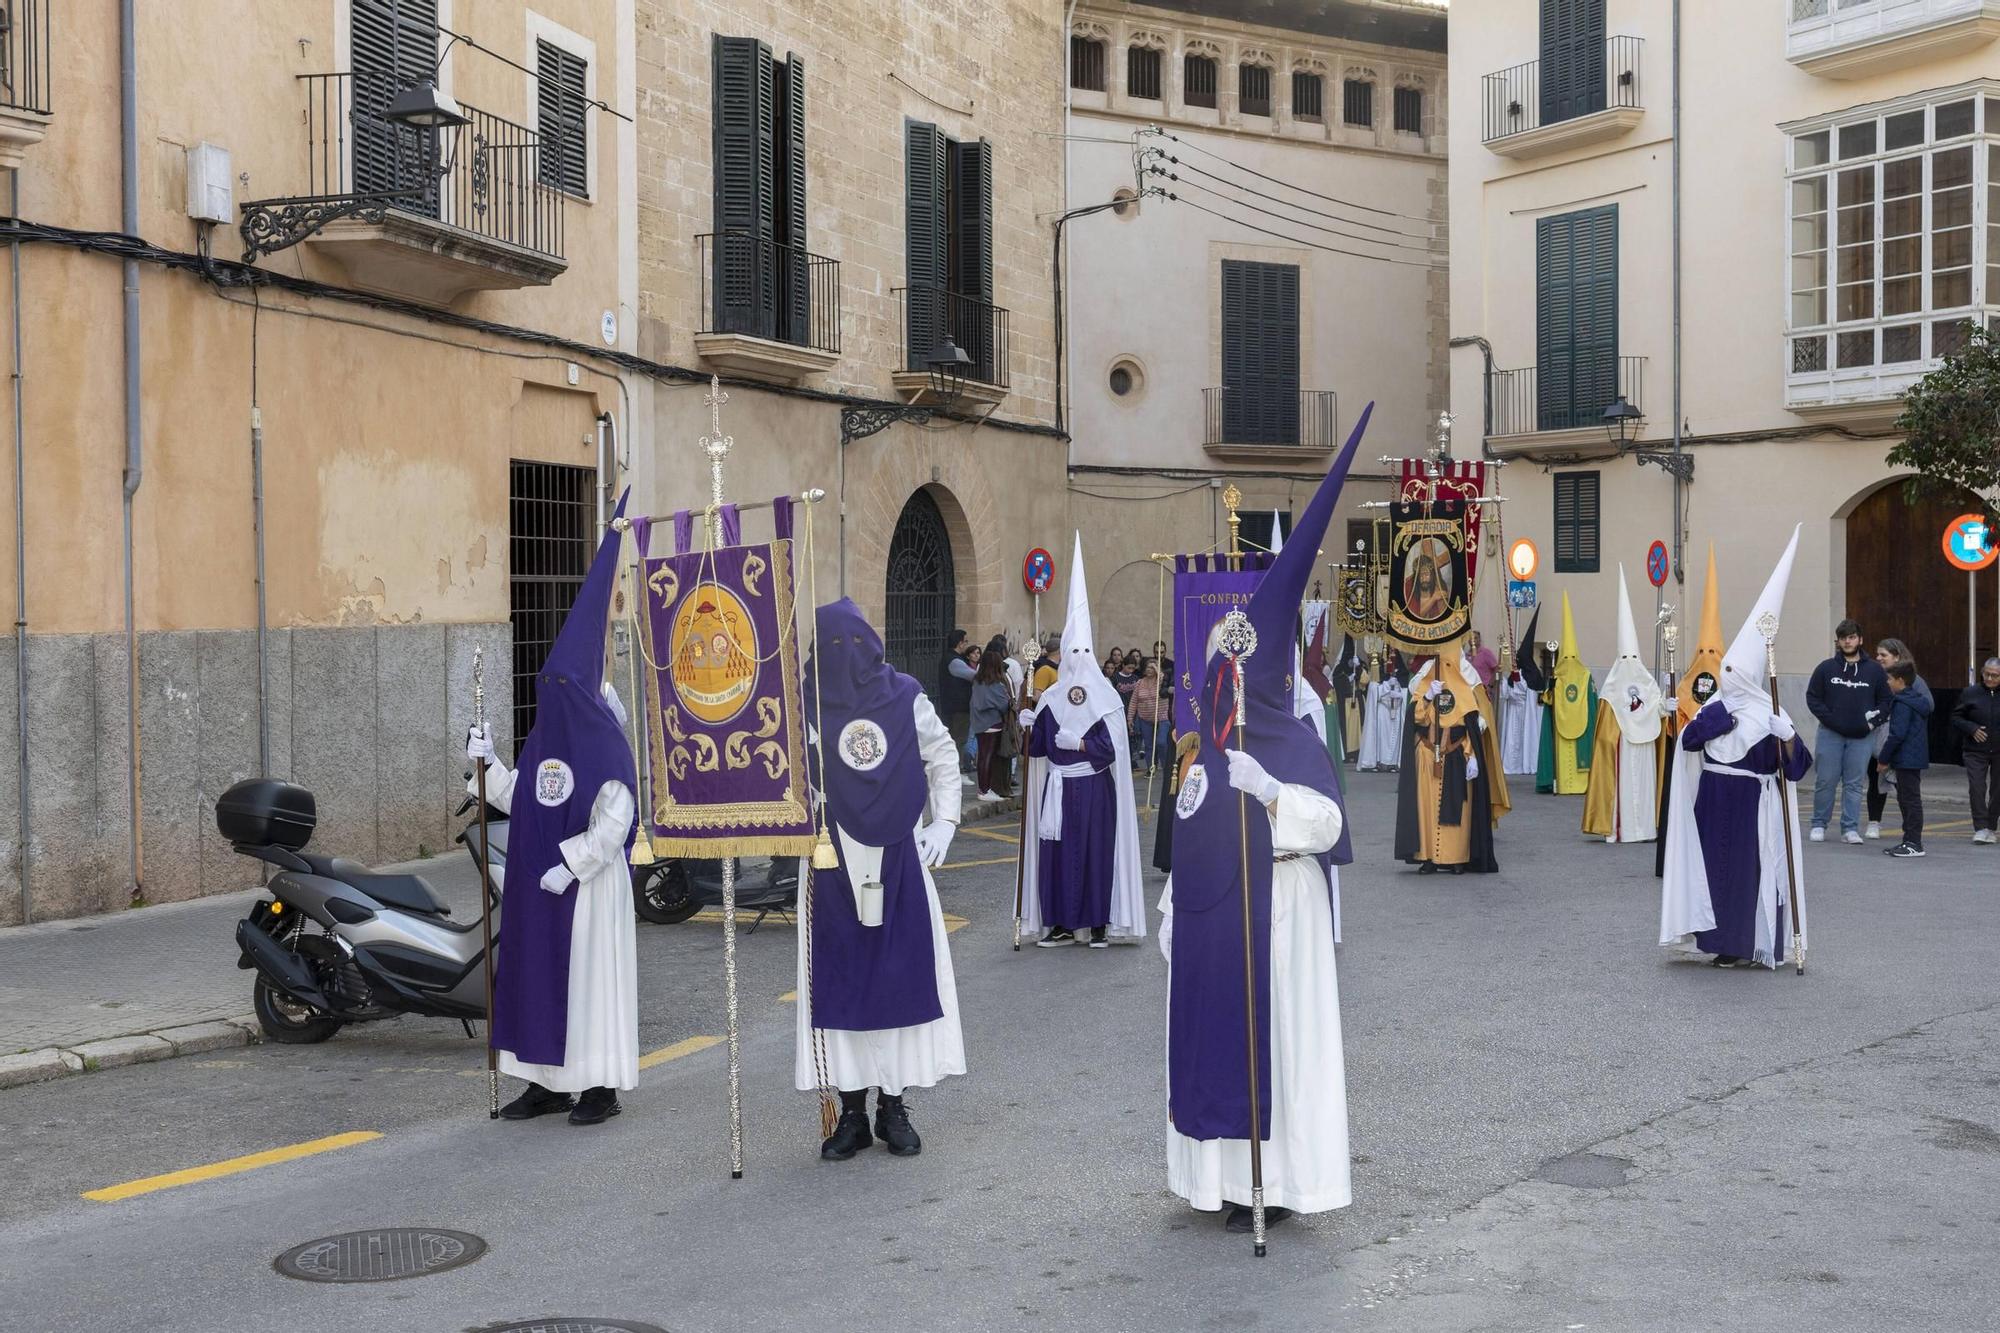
[(211, 187)]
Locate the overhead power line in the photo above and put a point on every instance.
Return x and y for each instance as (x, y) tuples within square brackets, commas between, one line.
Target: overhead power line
[(1430, 234), (1300, 240), (1297, 222), (1275, 180)]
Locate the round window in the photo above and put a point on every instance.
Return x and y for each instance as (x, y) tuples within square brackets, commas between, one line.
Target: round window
[(1121, 381), (1125, 378)]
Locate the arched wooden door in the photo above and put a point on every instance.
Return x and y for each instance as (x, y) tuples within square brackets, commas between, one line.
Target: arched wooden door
[(922, 590), (1899, 585)]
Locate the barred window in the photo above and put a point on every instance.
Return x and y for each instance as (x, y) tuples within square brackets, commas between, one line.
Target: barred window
[(1307, 90), (1358, 102), (1142, 72), (1409, 111), (1198, 74), (1086, 64), (1253, 90)]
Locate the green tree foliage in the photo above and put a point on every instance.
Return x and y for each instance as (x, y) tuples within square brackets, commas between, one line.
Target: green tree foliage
[(1951, 423)]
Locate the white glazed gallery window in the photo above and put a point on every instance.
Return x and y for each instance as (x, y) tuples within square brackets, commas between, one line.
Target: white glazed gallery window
[(1894, 236)]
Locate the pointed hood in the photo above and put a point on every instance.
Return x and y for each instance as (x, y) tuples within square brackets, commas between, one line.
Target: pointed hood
[(1081, 695), (1630, 689), (1745, 688), (1277, 531), (1703, 673), (577, 656), (1528, 656), (1572, 691)]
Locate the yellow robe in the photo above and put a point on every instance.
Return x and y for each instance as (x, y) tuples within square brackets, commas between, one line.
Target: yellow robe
[(1451, 844), (1600, 797)]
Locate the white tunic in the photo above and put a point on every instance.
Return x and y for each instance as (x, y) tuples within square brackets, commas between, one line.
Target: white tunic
[(601, 1048), (1638, 793), (1305, 1160), (1520, 728), (1382, 726), (892, 1059)]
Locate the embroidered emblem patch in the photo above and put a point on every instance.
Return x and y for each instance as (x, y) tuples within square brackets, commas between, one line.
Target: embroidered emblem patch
[(553, 782), (1703, 688), (1077, 695), (1193, 788), (863, 746), (1569, 693), (1446, 701)]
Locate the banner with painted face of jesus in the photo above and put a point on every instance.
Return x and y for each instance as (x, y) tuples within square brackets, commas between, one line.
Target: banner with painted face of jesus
[(1429, 598)]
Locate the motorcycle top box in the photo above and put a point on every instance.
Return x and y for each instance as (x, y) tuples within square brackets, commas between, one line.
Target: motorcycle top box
[(264, 812)]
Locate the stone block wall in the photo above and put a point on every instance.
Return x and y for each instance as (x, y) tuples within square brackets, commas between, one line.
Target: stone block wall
[(371, 719)]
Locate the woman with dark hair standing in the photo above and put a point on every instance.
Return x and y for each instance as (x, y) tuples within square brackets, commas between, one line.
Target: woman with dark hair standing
[(992, 701), (1125, 676), (1888, 653), (1112, 660)]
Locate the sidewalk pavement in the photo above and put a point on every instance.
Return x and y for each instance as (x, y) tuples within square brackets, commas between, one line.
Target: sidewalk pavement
[(156, 982)]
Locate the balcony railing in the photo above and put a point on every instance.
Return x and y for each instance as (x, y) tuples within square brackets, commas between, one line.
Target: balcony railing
[(1518, 408), (932, 314), (483, 178), (753, 286), (1514, 101), (1304, 419), (24, 55)]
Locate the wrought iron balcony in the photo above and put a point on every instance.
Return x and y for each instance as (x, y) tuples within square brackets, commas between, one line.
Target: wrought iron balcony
[(25, 106), (1847, 39), (933, 314), (472, 194), (1522, 116), (767, 308), (1306, 419), (1519, 408)]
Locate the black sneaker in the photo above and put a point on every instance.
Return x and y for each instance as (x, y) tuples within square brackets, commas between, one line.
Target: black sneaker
[(1729, 960), (1097, 940), (850, 1136), (537, 1100), (1056, 938), (1241, 1222), (1903, 849), (596, 1106), (892, 1126)]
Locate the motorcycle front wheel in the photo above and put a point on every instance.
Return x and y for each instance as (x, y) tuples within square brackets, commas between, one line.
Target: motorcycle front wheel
[(663, 893), (288, 1022)]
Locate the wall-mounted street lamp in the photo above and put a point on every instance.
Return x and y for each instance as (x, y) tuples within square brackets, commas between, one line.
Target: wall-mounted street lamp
[(948, 365), (1621, 423)]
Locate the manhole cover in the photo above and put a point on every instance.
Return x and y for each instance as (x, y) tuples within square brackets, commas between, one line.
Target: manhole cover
[(381, 1255), (1586, 1171), (564, 1324)]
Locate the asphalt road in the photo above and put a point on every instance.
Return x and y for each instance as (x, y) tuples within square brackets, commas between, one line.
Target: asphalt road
[(1554, 1127)]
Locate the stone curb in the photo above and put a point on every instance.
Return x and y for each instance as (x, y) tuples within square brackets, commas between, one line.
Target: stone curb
[(52, 1062)]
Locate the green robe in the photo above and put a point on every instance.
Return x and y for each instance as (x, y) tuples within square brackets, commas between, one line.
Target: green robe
[(1545, 759)]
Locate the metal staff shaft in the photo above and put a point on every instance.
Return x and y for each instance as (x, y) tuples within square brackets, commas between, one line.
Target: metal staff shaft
[(1021, 845), (1767, 625), (1245, 642), (485, 886)]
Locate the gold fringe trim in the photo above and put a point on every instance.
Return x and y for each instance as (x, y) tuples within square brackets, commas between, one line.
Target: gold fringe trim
[(717, 848)]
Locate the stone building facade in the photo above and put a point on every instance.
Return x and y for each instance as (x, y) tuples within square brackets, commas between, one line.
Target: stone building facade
[(1306, 143)]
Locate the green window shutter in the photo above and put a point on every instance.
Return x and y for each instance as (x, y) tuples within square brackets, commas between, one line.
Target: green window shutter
[(1260, 352), (1576, 317), (562, 116), (393, 45), (745, 187), (1576, 522), (794, 301), (926, 236), (1572, 64), (972, 253)]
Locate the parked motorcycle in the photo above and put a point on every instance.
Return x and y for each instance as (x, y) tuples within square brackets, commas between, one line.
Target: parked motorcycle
[(336, 942)]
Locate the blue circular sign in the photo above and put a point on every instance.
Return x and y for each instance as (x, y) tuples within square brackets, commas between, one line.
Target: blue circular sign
[(1656, 564), (1038, 571)]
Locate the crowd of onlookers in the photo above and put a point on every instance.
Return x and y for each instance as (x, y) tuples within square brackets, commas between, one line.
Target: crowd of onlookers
[(1874, 717), (982, 689)]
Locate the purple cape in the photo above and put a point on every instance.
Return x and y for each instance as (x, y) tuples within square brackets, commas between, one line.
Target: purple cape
[(575, 747), (869, 978), (1207, 1055)]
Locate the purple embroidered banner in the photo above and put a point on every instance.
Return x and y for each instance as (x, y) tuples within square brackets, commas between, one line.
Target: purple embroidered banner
[(725, 737), (1205, 590)]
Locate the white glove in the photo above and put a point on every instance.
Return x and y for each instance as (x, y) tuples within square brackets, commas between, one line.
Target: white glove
[(478, 745), (1027, 718), (557, 879), (1436, 688), (1471, 767), (934, 841), (1068, 740), (1247, 775), (1669, 706), (1782, 728)]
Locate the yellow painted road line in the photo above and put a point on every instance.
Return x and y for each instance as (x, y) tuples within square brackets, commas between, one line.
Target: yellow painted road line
[(676, 1051), (789, 997), (744, 916), (1928, 828), (990, 861), (214, 1170), (952, 923), (1013, 839)]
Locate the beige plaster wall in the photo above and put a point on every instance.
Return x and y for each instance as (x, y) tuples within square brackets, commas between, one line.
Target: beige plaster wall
[(386, 437)]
